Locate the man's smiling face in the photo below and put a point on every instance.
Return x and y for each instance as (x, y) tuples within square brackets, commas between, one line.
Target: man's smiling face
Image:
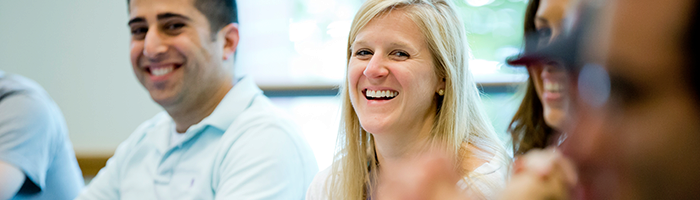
[(174, 54)]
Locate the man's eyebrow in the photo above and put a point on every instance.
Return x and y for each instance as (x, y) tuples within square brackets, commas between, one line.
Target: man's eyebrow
[(172, 15), (136, 20)]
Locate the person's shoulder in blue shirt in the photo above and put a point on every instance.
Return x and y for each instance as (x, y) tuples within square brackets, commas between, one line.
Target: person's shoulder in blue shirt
[(34, 142), (246, 149)]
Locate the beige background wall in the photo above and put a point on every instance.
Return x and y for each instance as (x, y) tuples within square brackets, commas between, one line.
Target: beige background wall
[(78, 50)]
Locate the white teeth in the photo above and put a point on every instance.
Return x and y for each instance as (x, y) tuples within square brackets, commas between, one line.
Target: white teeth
[(552, 87), (380, 94), (161, 71)]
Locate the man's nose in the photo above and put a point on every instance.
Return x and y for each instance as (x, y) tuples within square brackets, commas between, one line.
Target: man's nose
[(154, 45)]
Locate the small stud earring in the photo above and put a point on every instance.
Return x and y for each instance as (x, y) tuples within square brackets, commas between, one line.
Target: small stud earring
[(441, 92)]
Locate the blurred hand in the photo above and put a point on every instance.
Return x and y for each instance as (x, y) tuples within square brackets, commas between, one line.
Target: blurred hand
[(541, 174), (430, 176)]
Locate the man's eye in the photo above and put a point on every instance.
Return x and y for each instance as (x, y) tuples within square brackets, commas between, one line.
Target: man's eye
[(139, 32), (624, 93), (175, 26)]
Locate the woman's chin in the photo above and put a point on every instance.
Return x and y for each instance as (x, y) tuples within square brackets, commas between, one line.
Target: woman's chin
[(554, 118), (374, 127)]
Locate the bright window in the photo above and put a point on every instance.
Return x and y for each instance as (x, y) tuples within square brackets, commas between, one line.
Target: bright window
[(301, 43)]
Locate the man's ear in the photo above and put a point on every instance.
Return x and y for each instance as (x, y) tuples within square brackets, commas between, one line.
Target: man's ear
[(231, 37)]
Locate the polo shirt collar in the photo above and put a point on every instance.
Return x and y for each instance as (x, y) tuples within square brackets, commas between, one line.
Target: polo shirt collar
[(237, 100)]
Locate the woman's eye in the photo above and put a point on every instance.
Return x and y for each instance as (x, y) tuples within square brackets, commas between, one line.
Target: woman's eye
[(544, 33), (363, 53), (399, 55), (543, 36)]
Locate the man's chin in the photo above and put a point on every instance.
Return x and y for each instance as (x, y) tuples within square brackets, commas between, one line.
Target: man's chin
[(164, 100)]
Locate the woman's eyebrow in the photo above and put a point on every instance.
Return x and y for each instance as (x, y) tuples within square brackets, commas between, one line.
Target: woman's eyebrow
[(541, 20)]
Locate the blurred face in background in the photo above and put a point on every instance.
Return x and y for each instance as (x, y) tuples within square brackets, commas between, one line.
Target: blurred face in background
[(549, 78), (391, 74), (173, 52), (644, 141)]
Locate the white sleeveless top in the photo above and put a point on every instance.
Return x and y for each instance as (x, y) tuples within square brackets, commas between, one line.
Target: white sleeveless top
[(490, 172)]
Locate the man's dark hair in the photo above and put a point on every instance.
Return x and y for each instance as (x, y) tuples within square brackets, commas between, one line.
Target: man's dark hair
[(219, 13)]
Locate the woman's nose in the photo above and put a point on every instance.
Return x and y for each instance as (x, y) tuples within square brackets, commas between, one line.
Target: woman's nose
[(376, 67)]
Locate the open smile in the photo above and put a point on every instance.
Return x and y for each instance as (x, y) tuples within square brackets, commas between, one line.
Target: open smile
[(553, 90), (162, 70), (380, 94)]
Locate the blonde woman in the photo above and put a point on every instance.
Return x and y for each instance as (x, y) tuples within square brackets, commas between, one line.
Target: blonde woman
[(409, 90)]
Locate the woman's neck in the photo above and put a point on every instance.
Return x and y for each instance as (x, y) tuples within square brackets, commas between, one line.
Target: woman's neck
[(393, 148)]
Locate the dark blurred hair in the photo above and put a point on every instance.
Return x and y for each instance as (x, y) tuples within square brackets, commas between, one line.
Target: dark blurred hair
[(528, 128), (692, 45), (219, 12)]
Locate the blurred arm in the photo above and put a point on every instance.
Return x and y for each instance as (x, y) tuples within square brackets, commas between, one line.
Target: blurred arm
[(25, 125), (11, 179)]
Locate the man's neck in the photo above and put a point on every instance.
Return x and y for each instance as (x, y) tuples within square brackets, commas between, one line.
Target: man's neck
[(194, 112)]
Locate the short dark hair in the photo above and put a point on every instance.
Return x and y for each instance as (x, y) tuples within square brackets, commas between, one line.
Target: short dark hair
[(219, 13)]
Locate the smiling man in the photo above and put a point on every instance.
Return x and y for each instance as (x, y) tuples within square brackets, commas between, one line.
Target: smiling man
[(218, 138)]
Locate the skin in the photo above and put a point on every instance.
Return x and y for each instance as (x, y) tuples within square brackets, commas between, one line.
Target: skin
[(548, 22), (173, 33), (390, 53), (642, 143)]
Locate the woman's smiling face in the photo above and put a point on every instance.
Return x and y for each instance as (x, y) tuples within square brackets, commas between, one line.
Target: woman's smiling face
[(549, 78), (391, 75)]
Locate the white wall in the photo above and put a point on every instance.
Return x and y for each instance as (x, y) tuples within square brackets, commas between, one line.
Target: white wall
[(78, 50)]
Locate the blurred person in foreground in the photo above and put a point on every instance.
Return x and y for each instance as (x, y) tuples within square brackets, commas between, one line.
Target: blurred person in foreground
[(637, 109), (638, 136), (540, 119), (217, 138), (409, 91), (36, 156)]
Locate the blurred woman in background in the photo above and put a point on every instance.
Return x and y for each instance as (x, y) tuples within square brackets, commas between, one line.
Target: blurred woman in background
[(540, 173), (543, 111), (409, 91)]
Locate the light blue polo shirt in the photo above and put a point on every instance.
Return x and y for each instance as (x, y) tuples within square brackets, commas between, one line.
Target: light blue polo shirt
[(246, 149), (34, 138)]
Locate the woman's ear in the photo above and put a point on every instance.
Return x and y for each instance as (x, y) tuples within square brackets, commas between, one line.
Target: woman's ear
[(231, 38), (441, 87)]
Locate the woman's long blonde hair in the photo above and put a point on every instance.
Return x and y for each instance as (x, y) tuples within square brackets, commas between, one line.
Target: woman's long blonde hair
[(459, 119)]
